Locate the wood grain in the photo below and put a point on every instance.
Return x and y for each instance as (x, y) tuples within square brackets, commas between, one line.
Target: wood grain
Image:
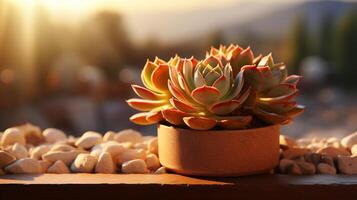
[(172, 186)]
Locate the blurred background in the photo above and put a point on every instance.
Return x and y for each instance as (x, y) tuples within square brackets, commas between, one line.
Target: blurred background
[(69, 63)]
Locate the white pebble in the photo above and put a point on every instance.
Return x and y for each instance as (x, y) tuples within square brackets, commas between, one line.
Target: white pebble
[(152, 162), (161, 170), (19, 151), (129, 135), (105, 164), (62, 147), (109, 136), (137, 166), (349, 140), (354, 149), (45, 164), (6, 158), (12, 136), (114, 148), (130, 154), (59, 167), (66, 156), (24, 166), (53, 135), (37, 152), (84, 163), (88, 140), (153, 146), (96, 152)]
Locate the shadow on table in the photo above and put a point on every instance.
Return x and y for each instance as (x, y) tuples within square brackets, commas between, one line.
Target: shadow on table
[(23, 177)]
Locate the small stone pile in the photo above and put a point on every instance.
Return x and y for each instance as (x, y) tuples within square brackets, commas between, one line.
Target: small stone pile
[(27, 149), (318, 156)]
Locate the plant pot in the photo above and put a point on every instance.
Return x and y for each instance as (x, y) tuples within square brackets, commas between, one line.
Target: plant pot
[(219, 152)]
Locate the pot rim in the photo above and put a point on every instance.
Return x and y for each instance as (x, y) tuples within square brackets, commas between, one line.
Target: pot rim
[(213, 131)]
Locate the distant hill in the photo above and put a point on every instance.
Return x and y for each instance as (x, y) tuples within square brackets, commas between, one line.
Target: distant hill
[(266, 20), (278, 23)]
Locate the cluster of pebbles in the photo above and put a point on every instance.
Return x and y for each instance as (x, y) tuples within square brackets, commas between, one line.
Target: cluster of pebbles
[(27, 149), (318, 155)]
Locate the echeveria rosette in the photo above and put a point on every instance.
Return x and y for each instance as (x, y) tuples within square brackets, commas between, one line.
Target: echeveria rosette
[(273, 92), (154, 96), (233, 54), (205, 94)]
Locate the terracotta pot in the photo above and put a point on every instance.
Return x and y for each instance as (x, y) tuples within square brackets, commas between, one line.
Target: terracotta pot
[(219, 152)]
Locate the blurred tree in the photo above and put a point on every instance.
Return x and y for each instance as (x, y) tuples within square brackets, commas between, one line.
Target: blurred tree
[(326, 37), (105, 43), (299, 44), (345, 51)]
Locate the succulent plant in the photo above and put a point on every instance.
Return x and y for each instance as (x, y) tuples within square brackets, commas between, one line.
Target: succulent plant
[(155, 95), (227, 89), (205, 94), (233, 54), (273, 92)]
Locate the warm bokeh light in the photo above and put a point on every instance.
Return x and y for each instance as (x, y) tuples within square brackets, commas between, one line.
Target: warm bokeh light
[(69, 63)]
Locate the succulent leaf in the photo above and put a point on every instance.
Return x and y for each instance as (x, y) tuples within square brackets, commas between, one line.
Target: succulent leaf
[(235, 123), (159, 77), (174, 116), (146, 93), (145, 105), (200, 123), (205, 95)]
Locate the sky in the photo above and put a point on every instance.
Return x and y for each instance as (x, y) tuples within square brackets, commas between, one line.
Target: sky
[(176, 18)]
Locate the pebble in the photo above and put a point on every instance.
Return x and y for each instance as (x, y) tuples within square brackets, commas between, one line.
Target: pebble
[(130, 154), (6, 158), (12, 136), (313, 158), (96, 152), (114, 148), (62, 147), (109, 136), (284, 163), (24, 166), (152, 162), (161, 170), (141, 146), (153, 146), (295, 152), (37, 152), (31, 133), (53, 135), (347, 164), (306, 168), (328, 160), (88, 140), (354, 149), (349, 140), (323, 168), (128, 135), (84, 163), (19, 151), (105, 164), (286, 142), (59, 167), (334, 152), (45, 164), (66, 156), (137, 166)]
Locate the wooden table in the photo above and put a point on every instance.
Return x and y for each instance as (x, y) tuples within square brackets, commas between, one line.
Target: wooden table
[(172, 186)]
